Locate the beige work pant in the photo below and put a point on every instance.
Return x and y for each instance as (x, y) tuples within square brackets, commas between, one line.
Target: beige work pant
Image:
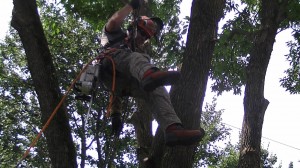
[(131, 67)]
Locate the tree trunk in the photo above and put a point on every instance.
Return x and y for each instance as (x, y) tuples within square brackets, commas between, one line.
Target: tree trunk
[(271, 15), (26, 21), (187, 97)]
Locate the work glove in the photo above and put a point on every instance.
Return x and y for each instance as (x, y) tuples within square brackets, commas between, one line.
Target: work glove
[(117, 124), (135, 4)]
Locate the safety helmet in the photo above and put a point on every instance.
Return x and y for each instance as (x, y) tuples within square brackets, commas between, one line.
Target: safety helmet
[(150, 26)]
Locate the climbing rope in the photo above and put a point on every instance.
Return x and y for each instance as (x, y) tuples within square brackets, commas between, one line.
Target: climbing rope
[(111, 97)]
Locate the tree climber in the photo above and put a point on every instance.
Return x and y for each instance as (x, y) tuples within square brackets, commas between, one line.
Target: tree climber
[(138, 78)]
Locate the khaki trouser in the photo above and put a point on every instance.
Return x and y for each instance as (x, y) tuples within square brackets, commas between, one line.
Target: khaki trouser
[(131, 67)]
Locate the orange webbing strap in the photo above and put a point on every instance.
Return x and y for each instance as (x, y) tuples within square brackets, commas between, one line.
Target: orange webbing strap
[(111, 96), (33, 143)]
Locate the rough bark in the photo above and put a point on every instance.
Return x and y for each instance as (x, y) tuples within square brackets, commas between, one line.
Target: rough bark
[(25, 19), (188, 95), (271, 15)]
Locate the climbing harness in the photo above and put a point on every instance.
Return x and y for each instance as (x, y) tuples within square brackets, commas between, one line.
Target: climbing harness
[(90, 79)]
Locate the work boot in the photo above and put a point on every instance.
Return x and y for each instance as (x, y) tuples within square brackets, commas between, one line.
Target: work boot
[(154, 78), (176, 135)]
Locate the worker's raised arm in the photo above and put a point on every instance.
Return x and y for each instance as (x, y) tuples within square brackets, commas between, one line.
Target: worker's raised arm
[(117, 19)]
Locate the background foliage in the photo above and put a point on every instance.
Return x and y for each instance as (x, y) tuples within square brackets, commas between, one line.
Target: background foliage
[(235, 42)]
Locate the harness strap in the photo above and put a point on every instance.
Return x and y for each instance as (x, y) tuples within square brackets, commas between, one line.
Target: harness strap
[(106, 53)]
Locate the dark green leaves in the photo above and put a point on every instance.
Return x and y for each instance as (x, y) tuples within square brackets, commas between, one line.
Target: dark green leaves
[(95, 12), (292, 79), (232, 52)]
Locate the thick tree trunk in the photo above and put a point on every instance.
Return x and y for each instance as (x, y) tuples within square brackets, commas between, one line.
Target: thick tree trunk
[(255, 105), (59, 140), (187, 97)]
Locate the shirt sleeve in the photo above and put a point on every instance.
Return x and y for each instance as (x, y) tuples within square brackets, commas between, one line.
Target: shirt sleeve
[(112, 37)]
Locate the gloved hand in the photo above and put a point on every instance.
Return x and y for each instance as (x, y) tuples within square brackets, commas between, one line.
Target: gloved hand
[(134, 4), (117, 124)]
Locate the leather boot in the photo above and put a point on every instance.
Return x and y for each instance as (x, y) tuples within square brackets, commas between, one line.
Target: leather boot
[(176, 135), (154, 78)]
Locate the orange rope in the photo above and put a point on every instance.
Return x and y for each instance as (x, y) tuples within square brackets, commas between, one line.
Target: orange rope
[(111, 97)]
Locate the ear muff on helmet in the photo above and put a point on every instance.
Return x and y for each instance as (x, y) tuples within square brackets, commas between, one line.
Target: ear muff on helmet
[(158, 21)]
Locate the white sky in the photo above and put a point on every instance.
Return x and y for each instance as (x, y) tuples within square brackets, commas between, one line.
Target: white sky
[(281, 122)]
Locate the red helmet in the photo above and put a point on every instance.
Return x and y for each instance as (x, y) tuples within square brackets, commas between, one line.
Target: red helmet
[(150, 26)]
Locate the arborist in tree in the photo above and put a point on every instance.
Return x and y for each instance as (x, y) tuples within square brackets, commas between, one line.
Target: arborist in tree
[(138, 78)]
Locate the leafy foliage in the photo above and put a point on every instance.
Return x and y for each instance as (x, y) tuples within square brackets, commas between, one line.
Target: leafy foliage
[(19, 106), (268, 160), (231, 157), (232, 52), (293, 18), (168, 54), (235, 42), (209, 152), (292, 79), (95, 12)]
